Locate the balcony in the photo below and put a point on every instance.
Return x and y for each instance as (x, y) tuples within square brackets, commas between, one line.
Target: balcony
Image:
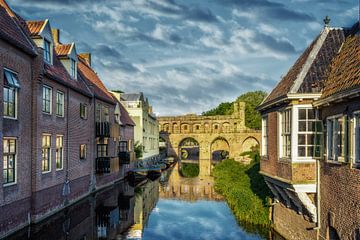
[(124, 157), (102, 129), (102, 165)]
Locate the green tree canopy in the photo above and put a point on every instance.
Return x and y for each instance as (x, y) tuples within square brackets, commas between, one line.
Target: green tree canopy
[(252, 116)]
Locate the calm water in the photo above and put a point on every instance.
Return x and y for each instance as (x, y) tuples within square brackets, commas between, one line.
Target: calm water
[(170, 207)]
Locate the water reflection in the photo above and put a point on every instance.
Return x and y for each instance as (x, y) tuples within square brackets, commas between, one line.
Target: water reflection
[(170, 207)]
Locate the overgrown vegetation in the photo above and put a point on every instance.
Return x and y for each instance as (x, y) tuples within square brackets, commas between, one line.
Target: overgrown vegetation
[(251, 99), (190, 170), (138, 149), (245, 191)]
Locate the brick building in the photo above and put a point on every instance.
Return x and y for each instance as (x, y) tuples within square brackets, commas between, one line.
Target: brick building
[(290, 138), (60, 128), (339, 108)]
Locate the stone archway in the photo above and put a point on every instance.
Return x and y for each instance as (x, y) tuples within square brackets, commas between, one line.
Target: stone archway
[(219, 149), (249, 143), (189, 157)]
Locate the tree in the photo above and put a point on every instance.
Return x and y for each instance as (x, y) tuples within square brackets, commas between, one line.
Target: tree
[(139, 149), (225, 108)]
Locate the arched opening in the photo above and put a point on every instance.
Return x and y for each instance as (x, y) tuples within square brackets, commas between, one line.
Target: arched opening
[(189, 152), (220, 150), (249, 144)]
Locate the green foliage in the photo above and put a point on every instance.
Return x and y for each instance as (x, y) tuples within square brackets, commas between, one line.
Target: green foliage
[(225, 108), (251, 99), (245, 191), (190, 170), (138, 149)]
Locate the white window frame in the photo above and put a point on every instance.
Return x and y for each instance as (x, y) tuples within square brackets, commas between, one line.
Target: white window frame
[(356, 138), (16, 92), (280, 132), (15, 164), (265, 128), (334, 157), (45, 51), (73, 68), (51, 101), (306, 133), (44, 172), (62, 104), (56, 152)]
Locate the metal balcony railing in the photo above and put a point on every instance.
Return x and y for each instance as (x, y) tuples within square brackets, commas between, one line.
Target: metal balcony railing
[(102, 129), (102, 165)]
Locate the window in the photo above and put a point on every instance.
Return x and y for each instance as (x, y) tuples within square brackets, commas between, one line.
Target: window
[(102, 113), (73, 68), (357, 138), (11, 85), (9, 158), (285, 134), (123, 146), (47, 53), (59, 152), (102, 148), (59, 104), (307, 133), (83, 151), (46, 153), (265, 135), (83, 111), (336, 138), (47, 96), (197, 127)]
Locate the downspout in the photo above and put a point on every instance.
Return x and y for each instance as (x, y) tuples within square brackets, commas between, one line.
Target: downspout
[(93, 177), (67, 182)]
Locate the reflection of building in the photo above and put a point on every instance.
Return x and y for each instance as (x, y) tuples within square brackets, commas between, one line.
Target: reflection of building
[(177, 187), (147, 127), (146, 198)]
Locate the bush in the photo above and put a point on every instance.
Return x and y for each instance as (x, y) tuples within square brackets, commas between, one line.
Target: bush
[(245, 191), (190, 170)]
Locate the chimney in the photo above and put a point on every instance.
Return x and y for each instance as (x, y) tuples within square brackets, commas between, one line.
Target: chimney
[(56, 35), (86, 57)]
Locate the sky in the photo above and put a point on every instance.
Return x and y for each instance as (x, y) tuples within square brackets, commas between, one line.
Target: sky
[(187, 56)]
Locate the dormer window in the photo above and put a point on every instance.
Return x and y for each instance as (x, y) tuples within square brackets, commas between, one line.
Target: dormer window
[(47, 54), (73, 68)]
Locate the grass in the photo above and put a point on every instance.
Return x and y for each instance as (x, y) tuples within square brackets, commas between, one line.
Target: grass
[(245, 192), (190, 170)]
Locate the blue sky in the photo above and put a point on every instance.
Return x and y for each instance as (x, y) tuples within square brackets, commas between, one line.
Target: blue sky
[(187, 56)]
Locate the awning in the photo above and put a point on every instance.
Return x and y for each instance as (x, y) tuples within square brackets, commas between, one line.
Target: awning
[(11, 79)]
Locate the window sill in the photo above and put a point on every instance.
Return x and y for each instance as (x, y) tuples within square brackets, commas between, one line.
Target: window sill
[(59, 169), (9, 184), (44, 173), (10, 118), (335, 162), (265, 158), (59, 116), (285, 160), (46, 113)]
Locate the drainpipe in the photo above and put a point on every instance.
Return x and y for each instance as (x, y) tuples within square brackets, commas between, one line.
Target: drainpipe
[(67, 182)]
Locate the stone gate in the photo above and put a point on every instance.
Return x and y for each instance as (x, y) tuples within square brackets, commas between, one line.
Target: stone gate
[(211, 133)]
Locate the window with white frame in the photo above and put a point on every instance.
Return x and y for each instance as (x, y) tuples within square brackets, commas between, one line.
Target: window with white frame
[(265, 136), (59, 103), (9, 160), (59, 152), (73, 68), (10, 90), (356, 146), (47, 99), (285, 133), (306, 132), (83, 111), (46, 153), (102, 113), (82, 151), (336, 138), (47, 49)]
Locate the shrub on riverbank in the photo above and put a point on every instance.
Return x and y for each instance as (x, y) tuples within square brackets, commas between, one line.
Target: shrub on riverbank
[(190, 170), (244, 190)]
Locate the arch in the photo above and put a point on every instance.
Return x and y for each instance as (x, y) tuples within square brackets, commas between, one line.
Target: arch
[(185, 128), (216, 127), (219, 149), (189, 149), (249, 143), (165, 127)]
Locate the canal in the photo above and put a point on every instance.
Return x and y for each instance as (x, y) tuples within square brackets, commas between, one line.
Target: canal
[(169, 207)]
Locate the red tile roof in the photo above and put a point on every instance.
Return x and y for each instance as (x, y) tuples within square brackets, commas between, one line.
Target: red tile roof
[(63, 50), (35, 27), (93, 79), (345, 69), (12, 31)]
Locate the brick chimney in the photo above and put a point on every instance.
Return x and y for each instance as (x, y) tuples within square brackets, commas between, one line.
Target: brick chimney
[(86, 57), (56, 35)]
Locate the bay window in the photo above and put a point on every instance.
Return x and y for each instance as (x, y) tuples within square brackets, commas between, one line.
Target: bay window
[(285, 134), (307, 133), (9, 158)]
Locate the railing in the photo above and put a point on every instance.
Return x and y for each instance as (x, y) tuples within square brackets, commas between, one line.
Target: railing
[(102, 129), (124, 157), (102, 165)]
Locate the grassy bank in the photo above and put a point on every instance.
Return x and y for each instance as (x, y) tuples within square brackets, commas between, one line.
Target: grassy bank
[(245, 191)]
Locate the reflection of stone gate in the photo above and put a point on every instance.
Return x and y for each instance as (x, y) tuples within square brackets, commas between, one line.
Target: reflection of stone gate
[(210, 132)]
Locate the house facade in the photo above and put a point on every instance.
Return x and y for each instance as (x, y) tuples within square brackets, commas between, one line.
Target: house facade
[(146, 124), (291, 140)]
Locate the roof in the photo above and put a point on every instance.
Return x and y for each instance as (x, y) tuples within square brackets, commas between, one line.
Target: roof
[(92, 79), (132, 96), (35, 27), (125, 117), (11, 30), (63, 50), (345, 69), (310, 69), (57, 72)]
